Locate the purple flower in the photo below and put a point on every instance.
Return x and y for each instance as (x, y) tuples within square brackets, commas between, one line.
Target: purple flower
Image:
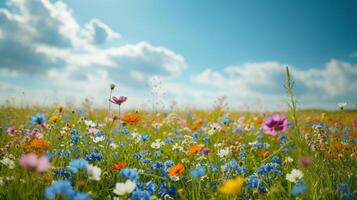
[(275, 123), (118, 100)]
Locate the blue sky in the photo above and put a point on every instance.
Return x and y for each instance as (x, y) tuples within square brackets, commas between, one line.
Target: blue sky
[(199, 50)]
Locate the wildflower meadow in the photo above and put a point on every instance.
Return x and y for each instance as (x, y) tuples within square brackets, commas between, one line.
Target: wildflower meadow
[(80, 153)]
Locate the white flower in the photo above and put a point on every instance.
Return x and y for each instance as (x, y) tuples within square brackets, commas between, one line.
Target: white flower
[(8, 162), (223, 152), (294, 176), (94, 172), (113, 145), (89, 123), (124, 188), (98, 139), (289, 159), (157, 144)]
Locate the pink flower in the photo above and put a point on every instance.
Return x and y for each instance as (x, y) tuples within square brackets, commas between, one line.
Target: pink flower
[(275, 123), (305, 160), (118, 100), (43, 164), (11, 131), (32, 162)]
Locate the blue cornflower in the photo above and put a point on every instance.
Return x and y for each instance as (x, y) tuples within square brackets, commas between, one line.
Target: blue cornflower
[(77, 164), (61, 172), (166, 191), (137, 155), (198, 172), (140, 195), (129, 173), (62, 187), (75, 138), (39, 118), (75, 132), (80, 196), (157, 154), (93, 157), (300, 187), (242, 154), (150, 187), (146, 161), (269, 167), (282, 138), (157, 165), (144, 137), (125, 131), (224, 120), (275, 159), (255, 183), (238, 130), (213, 167), (259, 137), (168, 141), (206, 139)]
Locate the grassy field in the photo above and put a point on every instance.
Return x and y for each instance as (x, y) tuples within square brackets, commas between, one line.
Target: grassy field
[(87, 153)]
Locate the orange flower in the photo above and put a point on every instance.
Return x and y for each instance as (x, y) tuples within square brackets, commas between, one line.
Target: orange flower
[(132, 118), (118, 166), (195, 149), (264, 154), (176, 170), (39, 143), (197, 124), (39, 146), (48, 179)]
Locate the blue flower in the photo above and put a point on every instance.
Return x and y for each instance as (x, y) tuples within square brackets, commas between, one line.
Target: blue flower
[(75, 138), (300, 187), (129, 173), (61, 172), (94, 157), (80, 196), (144, 137), (157, 154), (167, 192), (62, 187), (125, 131), (275, 159), (140, 195), (198, 172), (213, 167), (38, 119), (224, 120), (77, 164), (255, 183), (75, 132), (242, 154), (151, 187)]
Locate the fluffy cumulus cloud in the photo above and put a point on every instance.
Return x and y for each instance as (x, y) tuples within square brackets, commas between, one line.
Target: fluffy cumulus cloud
[(322, 87), (42, 39)]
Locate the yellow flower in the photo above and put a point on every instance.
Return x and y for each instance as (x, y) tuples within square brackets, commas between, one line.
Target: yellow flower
[(232, 186), (55, 118)]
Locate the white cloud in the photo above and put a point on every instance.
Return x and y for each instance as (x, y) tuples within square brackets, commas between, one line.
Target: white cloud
[(265, 81), (43, 39)]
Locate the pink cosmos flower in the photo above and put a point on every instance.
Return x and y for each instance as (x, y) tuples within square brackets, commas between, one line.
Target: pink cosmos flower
[(275, 123), (118, 100), (32, 162)]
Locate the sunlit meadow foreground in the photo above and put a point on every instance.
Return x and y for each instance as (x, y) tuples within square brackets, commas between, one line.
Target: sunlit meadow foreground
[(69, 153)]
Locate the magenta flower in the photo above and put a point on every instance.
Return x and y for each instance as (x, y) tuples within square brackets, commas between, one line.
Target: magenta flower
[(275, 123), (11, 131), (305, 160), (118, 100), (32, 162)]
